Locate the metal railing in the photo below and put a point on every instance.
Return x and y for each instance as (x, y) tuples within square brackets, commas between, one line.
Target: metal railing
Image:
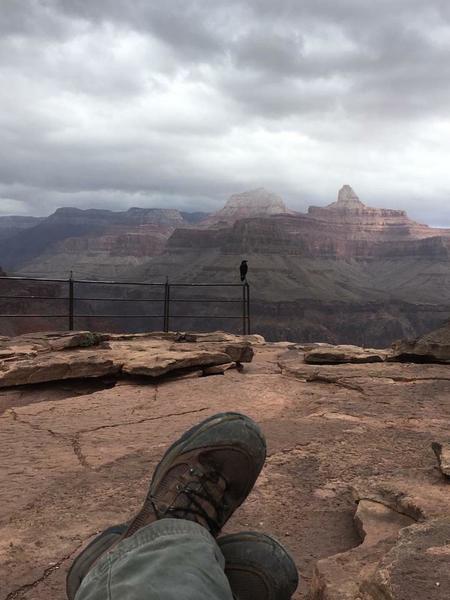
[(167, 299)]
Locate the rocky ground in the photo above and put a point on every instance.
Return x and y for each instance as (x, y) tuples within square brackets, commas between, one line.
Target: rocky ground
[(352, 484)]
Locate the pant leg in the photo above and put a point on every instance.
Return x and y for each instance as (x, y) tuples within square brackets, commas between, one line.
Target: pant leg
[(170, 559)]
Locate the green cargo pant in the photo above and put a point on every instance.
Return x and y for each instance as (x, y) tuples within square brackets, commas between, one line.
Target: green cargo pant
[(171, 559)]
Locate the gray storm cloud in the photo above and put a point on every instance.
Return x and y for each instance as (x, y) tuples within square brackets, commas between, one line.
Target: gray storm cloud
[(111, 103)]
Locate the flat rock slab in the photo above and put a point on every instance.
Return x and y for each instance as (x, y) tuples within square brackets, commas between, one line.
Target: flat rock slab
[(52, 357), (395, 372), (344, 354)]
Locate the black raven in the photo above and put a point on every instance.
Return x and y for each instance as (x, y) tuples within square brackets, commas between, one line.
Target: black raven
[(243, 269)]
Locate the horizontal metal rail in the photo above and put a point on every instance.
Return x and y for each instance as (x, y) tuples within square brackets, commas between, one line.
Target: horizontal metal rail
[(99, 281), (204, 300), (94, 316), (34, 297), (172, 316), (206, 285), (27, 316), (45, 279), (78, 298)]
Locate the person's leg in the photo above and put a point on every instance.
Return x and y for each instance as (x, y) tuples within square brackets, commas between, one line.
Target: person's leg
[(256, 565), (169, 559), (202, 478)]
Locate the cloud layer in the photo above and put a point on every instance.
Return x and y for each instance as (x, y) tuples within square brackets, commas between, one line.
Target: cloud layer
[(114, 103)]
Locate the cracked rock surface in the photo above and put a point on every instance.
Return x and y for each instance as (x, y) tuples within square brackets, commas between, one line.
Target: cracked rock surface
[(351, 485)]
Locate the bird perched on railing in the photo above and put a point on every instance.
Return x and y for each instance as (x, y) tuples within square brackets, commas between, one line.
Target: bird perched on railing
[(243, 270)]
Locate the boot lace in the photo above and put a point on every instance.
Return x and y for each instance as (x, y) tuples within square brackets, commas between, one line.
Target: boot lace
[(197, 492)]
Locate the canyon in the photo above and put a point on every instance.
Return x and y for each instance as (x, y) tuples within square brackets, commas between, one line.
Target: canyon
[(340, 273)]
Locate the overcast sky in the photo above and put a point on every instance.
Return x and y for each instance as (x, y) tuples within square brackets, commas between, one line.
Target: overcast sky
[(180, 103)]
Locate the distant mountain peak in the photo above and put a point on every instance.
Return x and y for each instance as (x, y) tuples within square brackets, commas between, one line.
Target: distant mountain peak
[(347, 200), (252, 203), (259, 200)]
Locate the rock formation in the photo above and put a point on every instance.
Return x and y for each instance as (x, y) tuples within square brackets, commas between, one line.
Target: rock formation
[(251, 204), (432, 347), (350, 485)]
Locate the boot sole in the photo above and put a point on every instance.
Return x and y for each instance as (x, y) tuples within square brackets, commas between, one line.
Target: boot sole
[(279, 563), (83, 562)]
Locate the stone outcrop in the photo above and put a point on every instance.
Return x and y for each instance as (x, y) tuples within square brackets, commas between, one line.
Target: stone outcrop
[(349, 209), (350, 485), (52, 357), (431, 347)]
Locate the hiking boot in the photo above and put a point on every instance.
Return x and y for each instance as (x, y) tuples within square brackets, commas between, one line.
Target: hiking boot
[(206, 474), (203, 477), (258, 567)]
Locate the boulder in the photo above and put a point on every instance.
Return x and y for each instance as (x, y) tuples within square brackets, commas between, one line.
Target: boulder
[(431, 347)]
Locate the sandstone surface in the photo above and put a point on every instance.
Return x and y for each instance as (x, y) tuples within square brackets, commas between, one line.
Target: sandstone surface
[(351, 484)]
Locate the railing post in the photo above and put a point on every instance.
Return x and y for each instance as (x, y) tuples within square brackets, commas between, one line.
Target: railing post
[(166, 288), (168, 308), (166, 305), (244, 310), (248, 307), (71, 298)]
